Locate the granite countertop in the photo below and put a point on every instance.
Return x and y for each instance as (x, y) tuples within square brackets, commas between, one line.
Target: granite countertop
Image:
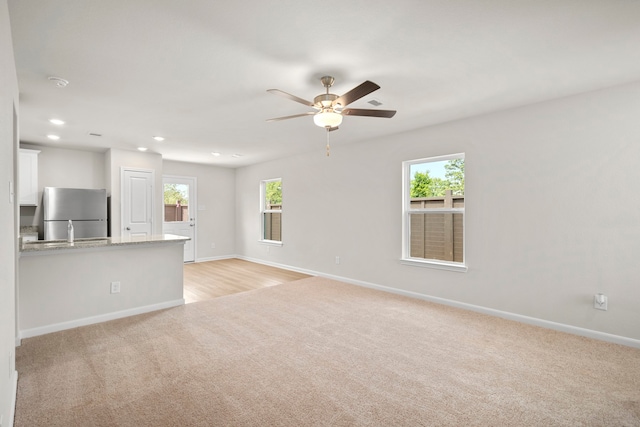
[(98, 242), (28, 230)]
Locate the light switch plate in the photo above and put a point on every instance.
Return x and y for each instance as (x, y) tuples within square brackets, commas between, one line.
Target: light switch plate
[(115, 287)]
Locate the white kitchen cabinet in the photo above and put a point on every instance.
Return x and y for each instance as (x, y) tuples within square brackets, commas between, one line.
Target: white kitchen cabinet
[(28, 179)]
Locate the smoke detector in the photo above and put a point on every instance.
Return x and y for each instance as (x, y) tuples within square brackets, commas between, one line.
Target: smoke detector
[(60, 82)]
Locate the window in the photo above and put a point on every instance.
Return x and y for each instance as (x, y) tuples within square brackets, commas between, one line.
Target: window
[(433, 212), (176, 202), (271, 210)]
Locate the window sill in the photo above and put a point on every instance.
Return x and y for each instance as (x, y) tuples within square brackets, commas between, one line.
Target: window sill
[(270, 242), (435, 264)]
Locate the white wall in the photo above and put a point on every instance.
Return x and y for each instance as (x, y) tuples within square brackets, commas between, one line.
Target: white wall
[(58, 167), (216, 207), (551, 211), (115, 160), (8, 218), (70, 288)]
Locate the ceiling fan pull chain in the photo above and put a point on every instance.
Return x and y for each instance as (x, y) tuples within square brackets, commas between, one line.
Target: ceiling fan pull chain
[(328, 147)]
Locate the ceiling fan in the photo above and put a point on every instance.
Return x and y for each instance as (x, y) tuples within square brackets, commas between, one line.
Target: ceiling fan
[(331, 108)]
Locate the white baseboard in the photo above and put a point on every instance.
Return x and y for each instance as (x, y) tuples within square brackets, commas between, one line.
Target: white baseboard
[(589, 333), (286, 267), (216, 258), (14, 395), (28, 333)]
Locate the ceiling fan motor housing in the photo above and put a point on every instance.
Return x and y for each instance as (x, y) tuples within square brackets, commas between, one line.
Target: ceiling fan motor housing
[(325, 100)]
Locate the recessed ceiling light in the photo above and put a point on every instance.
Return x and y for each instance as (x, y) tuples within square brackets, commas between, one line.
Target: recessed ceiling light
[(236, 155), (57, 121), (142, 148), (54, 137), (158, 138), (215, 153)]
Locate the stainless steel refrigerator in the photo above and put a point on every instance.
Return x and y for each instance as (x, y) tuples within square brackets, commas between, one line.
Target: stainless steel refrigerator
[(87, 208)]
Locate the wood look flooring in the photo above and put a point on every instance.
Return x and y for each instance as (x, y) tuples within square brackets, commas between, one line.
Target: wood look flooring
[(207, 280)]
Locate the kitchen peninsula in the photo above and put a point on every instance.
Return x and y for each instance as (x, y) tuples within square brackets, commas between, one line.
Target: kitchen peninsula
[(65, 285)]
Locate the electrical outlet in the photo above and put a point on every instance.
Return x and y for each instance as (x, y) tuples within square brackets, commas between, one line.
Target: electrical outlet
[(337, 260), (115, 287), (600, 302), (213, 246)]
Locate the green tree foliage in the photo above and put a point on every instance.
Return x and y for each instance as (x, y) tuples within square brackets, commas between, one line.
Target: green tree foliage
[(174, 193), (455, 175), (274, 193), (422, 185)]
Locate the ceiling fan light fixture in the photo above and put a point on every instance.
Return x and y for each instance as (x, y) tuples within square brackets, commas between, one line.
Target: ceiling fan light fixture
[(327, 119)]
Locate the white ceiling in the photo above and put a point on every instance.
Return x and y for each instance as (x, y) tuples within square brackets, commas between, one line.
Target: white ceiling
[(197, 71)]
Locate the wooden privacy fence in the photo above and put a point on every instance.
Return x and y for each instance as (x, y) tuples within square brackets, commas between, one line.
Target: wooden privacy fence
[(176, 212), (437, 235), (273, 224)]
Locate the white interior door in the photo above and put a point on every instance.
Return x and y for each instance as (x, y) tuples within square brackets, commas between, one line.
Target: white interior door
[(179, 215), (137, 203)]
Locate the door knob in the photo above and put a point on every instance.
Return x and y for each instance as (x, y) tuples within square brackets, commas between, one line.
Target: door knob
[(128, 228)]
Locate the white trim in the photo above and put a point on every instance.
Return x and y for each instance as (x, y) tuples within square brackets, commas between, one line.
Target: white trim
[(14, 395), (438, 210), (56, 327), (439, 265), (282, 266), (574, 330), (215, 258), (264, 210), (406, 258), (270, 242), (435, 159), (193, 213)]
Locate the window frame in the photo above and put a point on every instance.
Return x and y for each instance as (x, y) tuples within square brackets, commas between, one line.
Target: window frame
[(406, 219), (264, 210)]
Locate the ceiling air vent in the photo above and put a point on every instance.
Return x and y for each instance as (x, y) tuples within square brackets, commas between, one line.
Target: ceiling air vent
[(60, 82)]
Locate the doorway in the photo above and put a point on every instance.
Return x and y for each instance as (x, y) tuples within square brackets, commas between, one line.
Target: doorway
[(137, 202), (179, 211)]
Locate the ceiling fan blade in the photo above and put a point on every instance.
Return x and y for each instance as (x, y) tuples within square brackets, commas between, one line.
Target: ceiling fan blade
[(368, 112), (356, 93), (291, 97), (310, 113)]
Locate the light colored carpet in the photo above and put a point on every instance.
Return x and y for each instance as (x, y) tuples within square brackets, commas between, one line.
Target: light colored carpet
[(317, 352)]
